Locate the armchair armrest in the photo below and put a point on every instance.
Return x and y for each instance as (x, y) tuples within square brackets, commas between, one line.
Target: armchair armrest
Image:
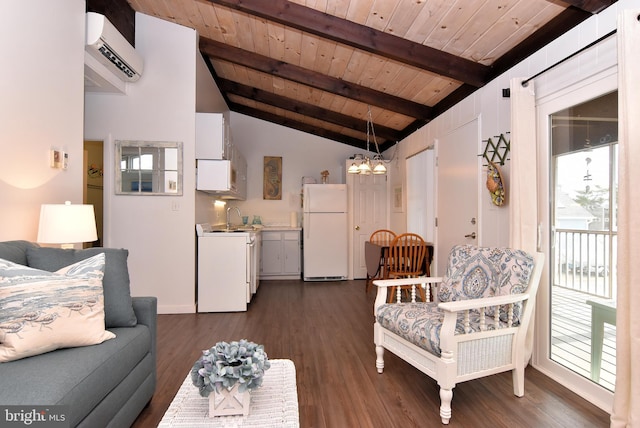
[(406, 281), (384, 284), (451, 310)]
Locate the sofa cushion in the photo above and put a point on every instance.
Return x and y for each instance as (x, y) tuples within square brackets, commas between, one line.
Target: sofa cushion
[(16, 251), (79, 378), (42, 311), (476, 272), (117, 295)]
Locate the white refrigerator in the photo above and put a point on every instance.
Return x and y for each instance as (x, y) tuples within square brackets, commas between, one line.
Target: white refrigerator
[(324, 211)]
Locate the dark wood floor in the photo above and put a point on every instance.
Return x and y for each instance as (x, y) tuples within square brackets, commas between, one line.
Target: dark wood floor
[(326, 329)]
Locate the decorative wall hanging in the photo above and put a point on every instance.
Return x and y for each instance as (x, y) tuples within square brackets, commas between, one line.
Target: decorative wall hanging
[(397, 199), (495, 184), (497, 151), (272, 178)]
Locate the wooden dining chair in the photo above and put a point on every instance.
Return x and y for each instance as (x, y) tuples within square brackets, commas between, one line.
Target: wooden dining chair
[(382, 237), (407, 254)]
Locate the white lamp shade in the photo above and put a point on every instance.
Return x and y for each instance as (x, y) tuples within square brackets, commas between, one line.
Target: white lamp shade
[(364, 167), (66, 224), (380, 168), (353, 169)]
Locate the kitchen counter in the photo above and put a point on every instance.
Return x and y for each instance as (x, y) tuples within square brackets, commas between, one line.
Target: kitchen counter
[(279, 228)]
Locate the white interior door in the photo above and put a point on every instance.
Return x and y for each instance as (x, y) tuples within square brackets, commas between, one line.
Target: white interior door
[(368, 213), (457, 184)]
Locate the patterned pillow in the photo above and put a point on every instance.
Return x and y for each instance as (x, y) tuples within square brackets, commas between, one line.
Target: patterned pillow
[(42, 311), (476, 272)]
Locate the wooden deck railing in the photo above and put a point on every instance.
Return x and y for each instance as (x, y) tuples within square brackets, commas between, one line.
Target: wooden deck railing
[(585, 261)]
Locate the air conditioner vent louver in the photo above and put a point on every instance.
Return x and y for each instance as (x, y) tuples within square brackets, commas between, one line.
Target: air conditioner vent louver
[(115, 60)]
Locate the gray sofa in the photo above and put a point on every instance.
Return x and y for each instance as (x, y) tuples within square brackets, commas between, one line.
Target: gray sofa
[(101, 385)]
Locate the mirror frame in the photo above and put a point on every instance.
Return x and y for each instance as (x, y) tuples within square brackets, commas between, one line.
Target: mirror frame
[(123, 144)]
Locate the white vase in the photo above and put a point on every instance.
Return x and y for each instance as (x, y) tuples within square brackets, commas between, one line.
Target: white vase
[(229, 402)]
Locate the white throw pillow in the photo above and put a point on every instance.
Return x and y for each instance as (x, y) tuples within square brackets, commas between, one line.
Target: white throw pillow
[(42, 311)]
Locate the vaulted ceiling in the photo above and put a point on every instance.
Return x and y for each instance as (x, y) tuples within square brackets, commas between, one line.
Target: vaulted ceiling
[(322, 66)]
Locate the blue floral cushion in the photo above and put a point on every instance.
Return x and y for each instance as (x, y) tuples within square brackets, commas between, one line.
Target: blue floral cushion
[(420, 323), (476, 272)]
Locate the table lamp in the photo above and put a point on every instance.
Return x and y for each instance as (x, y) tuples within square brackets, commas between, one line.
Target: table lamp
[(66, 224)]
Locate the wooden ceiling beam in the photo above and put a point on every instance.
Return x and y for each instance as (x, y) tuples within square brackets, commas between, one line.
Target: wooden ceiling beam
[(300, 126), (365, 38), (305, 109), (314, 79), (591, 6), (568, 19)]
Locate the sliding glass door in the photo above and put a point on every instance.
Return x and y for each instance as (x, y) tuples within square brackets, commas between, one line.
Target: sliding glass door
[(578, 136), (584, 147)]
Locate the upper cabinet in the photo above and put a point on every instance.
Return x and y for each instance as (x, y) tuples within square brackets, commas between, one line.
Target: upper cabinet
[(226, 179), (213, 138), (221, 169)]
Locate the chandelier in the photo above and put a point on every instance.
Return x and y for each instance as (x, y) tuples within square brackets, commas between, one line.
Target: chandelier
[(363, 164)]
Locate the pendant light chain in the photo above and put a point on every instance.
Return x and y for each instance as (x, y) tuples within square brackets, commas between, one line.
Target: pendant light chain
[(365, 166)]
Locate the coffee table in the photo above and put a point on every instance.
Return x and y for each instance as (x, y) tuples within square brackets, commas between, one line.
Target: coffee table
[(274, 404)]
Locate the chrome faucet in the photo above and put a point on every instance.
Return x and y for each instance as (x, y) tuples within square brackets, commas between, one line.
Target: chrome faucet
[(229, 215)]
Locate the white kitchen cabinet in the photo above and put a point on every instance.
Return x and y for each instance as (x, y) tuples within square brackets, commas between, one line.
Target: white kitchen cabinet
[(213, 136), (224, 178), (280, 256)]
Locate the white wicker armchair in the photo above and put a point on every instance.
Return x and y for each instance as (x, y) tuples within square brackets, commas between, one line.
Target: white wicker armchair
[(477, 327)]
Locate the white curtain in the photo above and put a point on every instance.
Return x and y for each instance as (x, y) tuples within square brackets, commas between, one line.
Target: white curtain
[(522, 189), (626, 402), (523, 196)]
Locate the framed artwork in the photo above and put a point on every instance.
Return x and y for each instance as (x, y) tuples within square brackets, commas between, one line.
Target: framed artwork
[(397, 199), (272, 178)]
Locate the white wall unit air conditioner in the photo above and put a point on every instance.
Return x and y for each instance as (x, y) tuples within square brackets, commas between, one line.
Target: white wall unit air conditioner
[(111, 49)]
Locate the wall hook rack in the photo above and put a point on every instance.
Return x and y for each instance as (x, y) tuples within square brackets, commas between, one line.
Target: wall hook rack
[(498, 150)]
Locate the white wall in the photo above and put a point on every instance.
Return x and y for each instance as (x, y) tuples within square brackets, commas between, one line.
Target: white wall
[(158, 231), (41, 82), (302, 155), (208, 96)]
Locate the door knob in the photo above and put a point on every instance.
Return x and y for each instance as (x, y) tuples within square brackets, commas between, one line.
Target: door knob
[(357, 227), (472, 235)]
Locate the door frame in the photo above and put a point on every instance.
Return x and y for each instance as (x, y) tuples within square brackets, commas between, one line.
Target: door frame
[(585, 90)]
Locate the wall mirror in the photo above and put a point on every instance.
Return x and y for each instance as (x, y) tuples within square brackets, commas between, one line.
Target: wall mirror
[(148, 168)]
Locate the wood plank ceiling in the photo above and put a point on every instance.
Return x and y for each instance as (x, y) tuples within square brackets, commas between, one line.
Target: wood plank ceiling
[(321, 66)]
